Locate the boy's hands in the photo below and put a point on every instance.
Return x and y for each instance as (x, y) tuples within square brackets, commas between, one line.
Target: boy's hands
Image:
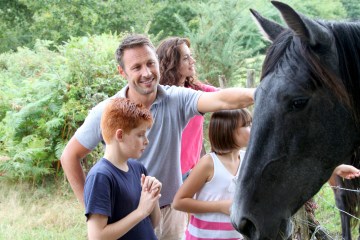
[(151, 184), (150, 194)]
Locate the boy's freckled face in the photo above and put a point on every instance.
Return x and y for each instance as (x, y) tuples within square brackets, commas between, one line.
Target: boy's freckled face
[(135, 142)]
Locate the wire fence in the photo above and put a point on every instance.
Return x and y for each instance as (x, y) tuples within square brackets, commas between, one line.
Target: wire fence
[(329, 226)]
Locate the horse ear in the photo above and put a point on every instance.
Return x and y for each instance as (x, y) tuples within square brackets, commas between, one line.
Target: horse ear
[(268, 28), (302, 26)]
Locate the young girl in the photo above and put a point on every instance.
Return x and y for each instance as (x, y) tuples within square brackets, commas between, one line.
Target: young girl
[(209, 189)]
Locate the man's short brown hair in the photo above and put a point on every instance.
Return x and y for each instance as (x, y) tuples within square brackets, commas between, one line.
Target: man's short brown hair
[(131, 41)]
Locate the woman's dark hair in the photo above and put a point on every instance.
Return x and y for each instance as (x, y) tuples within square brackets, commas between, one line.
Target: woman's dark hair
[(222, 126), (169, 56)]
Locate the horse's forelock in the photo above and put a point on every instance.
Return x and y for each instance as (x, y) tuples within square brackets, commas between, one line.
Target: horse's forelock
[(275, 52)]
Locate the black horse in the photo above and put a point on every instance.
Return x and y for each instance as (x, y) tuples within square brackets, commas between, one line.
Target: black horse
[(306, 122)]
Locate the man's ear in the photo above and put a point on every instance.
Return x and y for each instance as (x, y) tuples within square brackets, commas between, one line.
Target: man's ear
[(119, 135), (121, 71)]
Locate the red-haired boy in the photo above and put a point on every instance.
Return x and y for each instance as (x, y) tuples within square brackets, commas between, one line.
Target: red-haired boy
[(121, 201)]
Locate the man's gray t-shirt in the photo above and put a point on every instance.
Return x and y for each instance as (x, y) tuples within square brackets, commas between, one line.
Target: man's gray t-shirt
[(171, 111)]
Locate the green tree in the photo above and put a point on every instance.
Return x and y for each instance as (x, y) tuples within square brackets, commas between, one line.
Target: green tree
[(15, 21), (323, 9), (166, 21), (227, 39), (226, 36), (352, 8), (24, 21)]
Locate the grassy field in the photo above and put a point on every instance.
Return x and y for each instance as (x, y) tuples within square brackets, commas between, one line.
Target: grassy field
[(29, 213), (52, 212), (326, 213)]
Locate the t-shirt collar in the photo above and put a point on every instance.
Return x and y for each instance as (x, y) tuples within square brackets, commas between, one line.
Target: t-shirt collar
[(161, 93)]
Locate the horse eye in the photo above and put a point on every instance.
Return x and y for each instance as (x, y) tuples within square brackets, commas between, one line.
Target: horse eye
[(299, 103)]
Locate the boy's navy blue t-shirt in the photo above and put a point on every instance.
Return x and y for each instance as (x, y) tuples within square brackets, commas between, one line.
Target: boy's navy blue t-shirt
[(114, 193)]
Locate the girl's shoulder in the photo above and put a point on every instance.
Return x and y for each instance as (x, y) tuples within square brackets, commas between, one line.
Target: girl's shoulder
[(207, 160), (205, 166)]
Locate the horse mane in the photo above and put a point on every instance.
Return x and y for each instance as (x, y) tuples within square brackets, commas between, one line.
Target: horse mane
[(346, 86), (347, 38), (352, 198)]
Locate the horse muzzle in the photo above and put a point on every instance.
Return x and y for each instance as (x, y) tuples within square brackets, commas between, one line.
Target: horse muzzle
[(250, 229)]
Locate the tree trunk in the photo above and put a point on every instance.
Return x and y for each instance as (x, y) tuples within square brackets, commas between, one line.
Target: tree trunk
[(306, 226), (300, 228), (222, 81), (250, 80)]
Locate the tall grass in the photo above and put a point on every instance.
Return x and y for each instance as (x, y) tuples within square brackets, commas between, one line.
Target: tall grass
[(328, 215), (40, 213)]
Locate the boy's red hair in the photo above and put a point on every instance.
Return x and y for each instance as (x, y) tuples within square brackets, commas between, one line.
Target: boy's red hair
[(121, 113)]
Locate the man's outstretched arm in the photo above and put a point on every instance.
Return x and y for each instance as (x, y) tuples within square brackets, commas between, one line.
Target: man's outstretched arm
[(226, 99), (71, 163)]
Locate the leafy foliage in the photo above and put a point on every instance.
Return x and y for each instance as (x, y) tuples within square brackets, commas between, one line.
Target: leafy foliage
[(225, 37), (15, 20), (51, 93), (319, 9), (24, 21), (166, 21), (352, 8), (48, 86)]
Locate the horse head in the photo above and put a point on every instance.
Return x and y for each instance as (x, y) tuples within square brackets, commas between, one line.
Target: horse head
[(305, 120)]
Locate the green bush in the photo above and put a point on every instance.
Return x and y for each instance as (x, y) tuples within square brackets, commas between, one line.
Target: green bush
[(48, 95)]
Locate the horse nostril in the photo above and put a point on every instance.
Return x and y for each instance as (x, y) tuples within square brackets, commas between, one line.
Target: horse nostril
[(247, 228)]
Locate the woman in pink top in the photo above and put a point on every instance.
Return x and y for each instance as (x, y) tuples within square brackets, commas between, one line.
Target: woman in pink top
[(177, 67)]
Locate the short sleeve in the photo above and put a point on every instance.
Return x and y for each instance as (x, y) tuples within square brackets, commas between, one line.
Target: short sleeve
[(89, 133), (97, 195)]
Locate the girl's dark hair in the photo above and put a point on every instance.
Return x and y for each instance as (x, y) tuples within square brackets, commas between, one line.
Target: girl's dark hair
[(169, 56), (222, 128)]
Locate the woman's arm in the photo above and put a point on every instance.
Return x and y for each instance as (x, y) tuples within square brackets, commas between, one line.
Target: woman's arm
[(344, 171), (347, 171), (201, 173)]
